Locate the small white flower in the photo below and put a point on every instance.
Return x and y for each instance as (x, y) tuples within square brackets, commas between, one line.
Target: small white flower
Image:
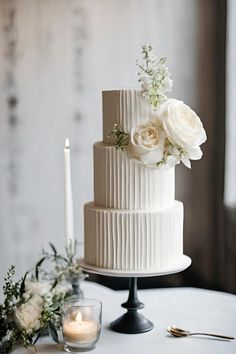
[(154, 77), (167, 84), (61, 289), (186, 161), (171, 161), (8, 335), (48, 299), (147, 143), (146, 83)]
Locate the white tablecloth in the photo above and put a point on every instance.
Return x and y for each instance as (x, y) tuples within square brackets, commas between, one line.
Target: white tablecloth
[(188, 308)]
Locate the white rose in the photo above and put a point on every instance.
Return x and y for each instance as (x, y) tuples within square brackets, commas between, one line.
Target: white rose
[(183, 128), (28, 316), (36, 300), (147, 143), (39, 288)]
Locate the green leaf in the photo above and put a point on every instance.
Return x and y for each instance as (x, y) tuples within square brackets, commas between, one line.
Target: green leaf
[(53, 248), (22, 286), (52, 332), (37, 337), (37, 267), (62, 258), (55, 307), (54, 284), (6, 347)]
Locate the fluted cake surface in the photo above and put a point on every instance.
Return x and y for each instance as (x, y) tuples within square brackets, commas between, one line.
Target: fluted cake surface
[(127, 240), (125, 107), (124, 184)]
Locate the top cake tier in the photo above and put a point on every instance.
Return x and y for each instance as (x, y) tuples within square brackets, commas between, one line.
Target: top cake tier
[(125, 107)]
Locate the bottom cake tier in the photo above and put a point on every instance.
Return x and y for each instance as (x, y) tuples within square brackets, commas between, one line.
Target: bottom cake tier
[(133, 239)]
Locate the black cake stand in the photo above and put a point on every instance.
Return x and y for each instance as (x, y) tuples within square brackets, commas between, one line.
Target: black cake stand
[(133, 322)]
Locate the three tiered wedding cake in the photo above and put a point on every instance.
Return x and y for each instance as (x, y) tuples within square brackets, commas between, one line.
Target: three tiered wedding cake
[(135, 223)]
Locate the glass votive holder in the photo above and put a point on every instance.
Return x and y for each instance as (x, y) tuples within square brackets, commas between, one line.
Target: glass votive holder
[(81, 324)]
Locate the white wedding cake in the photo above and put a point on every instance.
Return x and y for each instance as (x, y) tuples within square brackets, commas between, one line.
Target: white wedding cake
[(135, 223)]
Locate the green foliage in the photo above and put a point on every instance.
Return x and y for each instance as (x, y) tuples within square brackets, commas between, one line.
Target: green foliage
[(6, 346), (22, 286), (38, 266), (8, 331), (11, 289), (63, 267), (122, 139), (52, 332)]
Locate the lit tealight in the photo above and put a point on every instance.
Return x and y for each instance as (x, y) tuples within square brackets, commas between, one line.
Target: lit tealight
[(78, 317)]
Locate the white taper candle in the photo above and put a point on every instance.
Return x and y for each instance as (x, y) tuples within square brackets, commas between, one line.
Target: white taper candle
[(69, 213)]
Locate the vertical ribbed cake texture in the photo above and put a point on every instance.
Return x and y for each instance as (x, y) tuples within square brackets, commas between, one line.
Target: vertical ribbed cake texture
[(125, 107), (134, 223)]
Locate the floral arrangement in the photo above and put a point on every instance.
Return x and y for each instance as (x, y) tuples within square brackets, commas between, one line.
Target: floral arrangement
[(174, 132), (32, 306)]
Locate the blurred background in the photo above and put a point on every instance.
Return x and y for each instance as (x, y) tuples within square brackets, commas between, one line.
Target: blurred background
[(56, 56)]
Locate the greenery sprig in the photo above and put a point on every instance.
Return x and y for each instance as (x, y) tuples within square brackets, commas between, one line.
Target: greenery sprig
[(121, 138), (64, 267), (154, 77)]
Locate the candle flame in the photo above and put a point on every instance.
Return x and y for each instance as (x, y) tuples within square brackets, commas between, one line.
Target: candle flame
[(78, 317), (67, 143)]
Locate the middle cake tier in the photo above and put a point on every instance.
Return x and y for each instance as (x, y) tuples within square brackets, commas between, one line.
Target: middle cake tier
[(122, 183)]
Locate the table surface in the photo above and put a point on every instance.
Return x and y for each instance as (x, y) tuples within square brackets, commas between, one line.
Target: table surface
[(189, 308)]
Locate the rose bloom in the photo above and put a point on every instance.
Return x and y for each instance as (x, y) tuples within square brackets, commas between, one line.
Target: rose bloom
[(147, 143), (36, 300), (37, 288), (183, 128), (28, 315)]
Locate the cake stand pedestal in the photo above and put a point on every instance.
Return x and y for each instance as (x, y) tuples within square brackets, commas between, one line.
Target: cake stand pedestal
[(132, 322)]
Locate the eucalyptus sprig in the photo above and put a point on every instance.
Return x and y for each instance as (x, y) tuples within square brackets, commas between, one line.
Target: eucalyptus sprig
[(121, 138), (63, 266), (154, 77)]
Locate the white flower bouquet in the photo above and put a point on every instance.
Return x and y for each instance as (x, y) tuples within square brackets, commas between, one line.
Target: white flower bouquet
[(32, 307), (173, 134)]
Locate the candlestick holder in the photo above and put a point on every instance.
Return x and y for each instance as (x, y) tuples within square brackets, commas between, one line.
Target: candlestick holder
[(75, 282), (132, 322)]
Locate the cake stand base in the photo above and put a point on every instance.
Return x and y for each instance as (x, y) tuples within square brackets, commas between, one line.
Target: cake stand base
[(132, 322)]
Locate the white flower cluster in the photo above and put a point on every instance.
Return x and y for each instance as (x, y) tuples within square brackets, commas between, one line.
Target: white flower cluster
[(37, 296), (28, 314), (173, 135), (154, 77)]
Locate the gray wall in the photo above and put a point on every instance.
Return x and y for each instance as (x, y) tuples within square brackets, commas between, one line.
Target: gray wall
[(55, 58)]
